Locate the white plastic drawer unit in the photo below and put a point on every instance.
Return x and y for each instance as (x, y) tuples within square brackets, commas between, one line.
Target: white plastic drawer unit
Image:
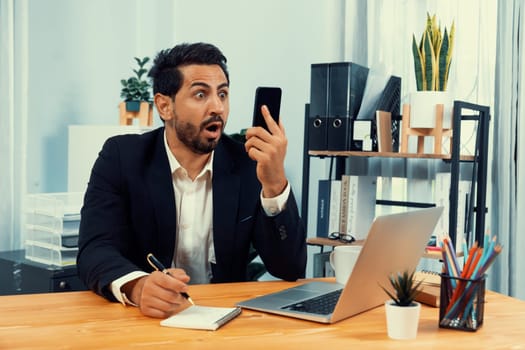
[(50, 255)]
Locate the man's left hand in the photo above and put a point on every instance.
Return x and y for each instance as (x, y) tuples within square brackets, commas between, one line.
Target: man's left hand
[(269, 150)]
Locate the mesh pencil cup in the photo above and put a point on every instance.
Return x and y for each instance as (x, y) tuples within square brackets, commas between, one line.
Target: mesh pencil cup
[(462, 302)]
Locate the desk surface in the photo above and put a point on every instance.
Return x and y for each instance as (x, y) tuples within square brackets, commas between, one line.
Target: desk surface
[(77, 320)]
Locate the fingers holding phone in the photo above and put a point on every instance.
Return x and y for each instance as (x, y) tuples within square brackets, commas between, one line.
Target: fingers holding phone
[(268, 146), (266, 109), (271, 124)]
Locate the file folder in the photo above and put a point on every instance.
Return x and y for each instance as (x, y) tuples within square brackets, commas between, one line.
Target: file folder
[(346, 87), (318, 118)]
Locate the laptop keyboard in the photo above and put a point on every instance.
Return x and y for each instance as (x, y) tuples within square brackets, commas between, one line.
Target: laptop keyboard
[(322, 305)]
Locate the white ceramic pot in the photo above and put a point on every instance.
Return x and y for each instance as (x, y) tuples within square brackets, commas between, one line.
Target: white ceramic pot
[(402, 321), (423, 108)]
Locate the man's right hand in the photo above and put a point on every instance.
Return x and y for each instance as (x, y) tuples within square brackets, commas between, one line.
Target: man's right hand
[(158, 294)]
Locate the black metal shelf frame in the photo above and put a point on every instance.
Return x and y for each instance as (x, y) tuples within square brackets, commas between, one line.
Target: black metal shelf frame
[(477, 204)]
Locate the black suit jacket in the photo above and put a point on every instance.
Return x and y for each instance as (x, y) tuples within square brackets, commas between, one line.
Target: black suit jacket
[(129, 211)]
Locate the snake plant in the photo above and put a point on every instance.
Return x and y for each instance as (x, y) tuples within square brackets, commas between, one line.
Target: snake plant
[(433, 56)]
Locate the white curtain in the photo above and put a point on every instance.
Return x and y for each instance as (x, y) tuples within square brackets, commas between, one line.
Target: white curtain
[(12, 120), (7, 213), (508, 197), (391, 25), (481, 73), (388, 36)]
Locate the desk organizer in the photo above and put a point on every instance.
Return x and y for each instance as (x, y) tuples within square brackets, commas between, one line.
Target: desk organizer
[(52, 221), (462, 303)]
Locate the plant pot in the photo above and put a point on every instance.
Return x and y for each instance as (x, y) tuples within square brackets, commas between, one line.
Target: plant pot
[(132, 106), (402, 321), (423, 108), (144, 114)]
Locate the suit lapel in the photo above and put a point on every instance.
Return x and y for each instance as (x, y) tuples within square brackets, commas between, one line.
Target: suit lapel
[(159, 182), (226, 187)]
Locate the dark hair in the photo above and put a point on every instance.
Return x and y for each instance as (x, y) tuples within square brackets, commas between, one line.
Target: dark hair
[(165, 73)]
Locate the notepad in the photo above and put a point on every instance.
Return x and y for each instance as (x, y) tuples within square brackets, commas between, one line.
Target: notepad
[(428, 277), (430, 287), (202, 317)]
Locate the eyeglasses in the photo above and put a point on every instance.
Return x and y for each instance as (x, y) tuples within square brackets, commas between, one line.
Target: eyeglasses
[(341, 237)]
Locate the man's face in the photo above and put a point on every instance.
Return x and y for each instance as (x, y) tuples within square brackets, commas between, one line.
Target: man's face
[(201, 107)]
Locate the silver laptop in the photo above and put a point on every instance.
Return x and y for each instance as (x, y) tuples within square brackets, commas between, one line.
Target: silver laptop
[(394, 243)]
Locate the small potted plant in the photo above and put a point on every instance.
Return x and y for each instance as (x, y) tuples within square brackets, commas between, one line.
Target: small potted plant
[(432, 60), (137, 97), (402, 311)]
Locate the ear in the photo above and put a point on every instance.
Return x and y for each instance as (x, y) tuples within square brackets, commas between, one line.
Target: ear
[(164, 106)]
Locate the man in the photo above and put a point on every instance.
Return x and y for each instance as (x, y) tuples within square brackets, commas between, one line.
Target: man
[(189, 194)]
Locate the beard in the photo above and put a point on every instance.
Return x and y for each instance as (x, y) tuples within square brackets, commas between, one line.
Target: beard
[(190, 134)]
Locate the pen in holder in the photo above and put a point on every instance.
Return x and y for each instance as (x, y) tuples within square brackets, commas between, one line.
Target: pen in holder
[(462, 303)]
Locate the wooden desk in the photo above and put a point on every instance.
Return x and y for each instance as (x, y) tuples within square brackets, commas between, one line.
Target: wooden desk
[(83, 320)]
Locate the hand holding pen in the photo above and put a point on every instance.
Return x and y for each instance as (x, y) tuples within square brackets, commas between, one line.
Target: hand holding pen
[(157, 265)]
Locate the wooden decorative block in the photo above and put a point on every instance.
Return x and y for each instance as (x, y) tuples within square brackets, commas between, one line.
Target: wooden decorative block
[(384, 131), (144, 115)]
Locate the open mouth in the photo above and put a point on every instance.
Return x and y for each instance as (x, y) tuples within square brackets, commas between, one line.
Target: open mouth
[(213, 130), (213, 127)]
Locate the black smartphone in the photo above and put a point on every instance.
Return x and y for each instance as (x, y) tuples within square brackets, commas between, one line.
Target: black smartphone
[(271, 97)]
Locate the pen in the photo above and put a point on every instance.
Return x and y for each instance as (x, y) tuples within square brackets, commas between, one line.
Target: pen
[(157, 265)]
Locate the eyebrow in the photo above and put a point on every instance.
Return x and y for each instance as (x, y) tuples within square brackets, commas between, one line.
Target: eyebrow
[(198, 83)]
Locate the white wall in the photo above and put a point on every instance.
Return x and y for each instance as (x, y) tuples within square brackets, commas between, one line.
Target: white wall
[(79, 51), (268, 43)]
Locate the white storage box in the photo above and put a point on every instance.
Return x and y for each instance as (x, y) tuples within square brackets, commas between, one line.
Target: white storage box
[(52, 222), (50, 254), (57, 239), (62, 205), (65, 225)]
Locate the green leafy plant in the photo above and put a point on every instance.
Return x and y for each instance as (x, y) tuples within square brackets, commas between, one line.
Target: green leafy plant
[(406, 288), (136, 88), (433, 56)]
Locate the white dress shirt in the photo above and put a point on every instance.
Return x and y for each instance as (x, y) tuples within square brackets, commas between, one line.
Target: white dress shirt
[(194, 249)]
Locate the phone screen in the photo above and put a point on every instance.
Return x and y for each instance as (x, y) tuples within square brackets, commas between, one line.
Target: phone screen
[(271, 97)]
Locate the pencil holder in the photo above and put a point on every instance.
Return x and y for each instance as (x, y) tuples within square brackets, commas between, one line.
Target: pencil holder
[(462, 302)]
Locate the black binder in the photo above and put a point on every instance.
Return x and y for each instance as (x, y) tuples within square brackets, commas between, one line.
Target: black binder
[(346, 87), (318, 116)]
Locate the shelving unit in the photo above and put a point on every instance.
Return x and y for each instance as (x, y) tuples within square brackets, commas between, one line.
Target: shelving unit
[(462, 111)]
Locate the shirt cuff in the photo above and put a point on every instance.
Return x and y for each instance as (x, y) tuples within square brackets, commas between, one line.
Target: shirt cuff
[(275, 205), (117, 284)]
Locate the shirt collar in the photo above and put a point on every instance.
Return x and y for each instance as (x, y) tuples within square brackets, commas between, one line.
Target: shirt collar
[(175, 165)]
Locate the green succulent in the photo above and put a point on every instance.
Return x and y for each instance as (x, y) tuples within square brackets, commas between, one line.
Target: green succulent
[(433, 56), (406, 288), (136, 88)]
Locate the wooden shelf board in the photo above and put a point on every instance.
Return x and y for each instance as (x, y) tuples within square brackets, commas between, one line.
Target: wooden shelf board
[(325, 242), (387, 155), (320, 241)]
